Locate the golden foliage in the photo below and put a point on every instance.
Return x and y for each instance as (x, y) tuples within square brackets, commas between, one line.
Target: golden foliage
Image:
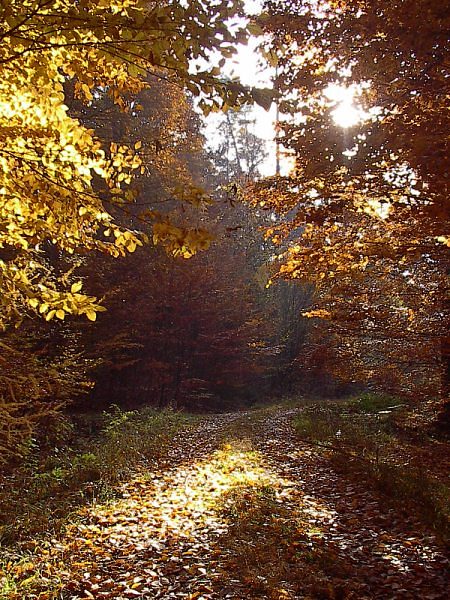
[(54, 173)]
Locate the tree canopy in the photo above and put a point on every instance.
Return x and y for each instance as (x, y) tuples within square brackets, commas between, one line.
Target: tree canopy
[(364, 212), (56, 177)]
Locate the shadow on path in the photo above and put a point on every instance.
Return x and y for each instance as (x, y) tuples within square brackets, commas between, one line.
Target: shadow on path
[(239, 510)]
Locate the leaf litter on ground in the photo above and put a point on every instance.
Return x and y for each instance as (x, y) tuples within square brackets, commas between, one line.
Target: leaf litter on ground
[(238, 509)]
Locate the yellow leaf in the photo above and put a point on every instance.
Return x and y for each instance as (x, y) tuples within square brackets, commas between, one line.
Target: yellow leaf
[(50, 315), (91, 315), (76, 287), (138, 145), (60, 314), (318, 313), (27, 581), (43, 308)]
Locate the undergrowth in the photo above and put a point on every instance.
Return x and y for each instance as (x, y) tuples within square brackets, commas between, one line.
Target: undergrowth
[(68, 466), (366, 439)]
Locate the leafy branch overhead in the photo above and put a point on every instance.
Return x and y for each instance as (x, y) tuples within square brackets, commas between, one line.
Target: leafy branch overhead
[(55, 175), (364, 212)]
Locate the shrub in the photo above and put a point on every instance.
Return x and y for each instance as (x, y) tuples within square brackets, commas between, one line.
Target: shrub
[(33, 390), (52, 481), (365, 441), (371, 402)]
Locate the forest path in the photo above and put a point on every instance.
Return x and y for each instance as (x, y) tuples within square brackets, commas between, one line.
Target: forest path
[(240, 509)]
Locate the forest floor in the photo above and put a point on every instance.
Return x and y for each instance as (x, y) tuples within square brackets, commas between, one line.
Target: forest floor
[(238, 508)]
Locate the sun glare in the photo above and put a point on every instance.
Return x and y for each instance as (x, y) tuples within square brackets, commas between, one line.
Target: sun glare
[(345, 113)]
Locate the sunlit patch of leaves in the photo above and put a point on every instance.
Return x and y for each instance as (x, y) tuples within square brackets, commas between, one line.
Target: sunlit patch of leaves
[(250, 516), (160, 524), (61, 473)]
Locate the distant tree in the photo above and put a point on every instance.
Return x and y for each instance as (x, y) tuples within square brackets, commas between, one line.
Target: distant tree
[(289, 301), (188, 334), (239, 152), (146, 345)]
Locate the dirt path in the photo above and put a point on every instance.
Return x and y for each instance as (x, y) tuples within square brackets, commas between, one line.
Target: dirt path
[(241, 510)]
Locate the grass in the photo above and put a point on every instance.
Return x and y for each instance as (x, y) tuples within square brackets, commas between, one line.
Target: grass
[(369, 402), (40, 495), (366, 440)]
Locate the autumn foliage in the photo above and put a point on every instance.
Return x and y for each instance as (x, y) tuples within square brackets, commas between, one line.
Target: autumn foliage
[(363, 213), (203, 367), (56, 174)]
